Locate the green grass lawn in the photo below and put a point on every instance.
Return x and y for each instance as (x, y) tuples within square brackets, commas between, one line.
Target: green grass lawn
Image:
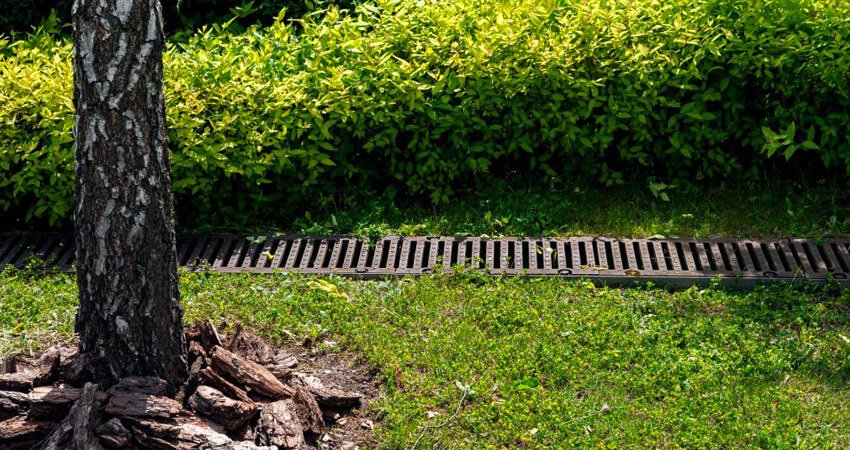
[(771, 208), (545, 363)]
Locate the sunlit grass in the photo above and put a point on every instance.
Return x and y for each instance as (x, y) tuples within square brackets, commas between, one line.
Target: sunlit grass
[(548, 363)]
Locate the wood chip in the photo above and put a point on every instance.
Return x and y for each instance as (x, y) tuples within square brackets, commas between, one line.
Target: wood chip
[(308, 411), (145, 385), (18, 363), (192, 334), (210, 377), (286, 361), (249, 374), (7, 364), (76, 431), (212, 403), (243, 433), (196, 350), (13, 404), (328, 398), (280, 372), (279, 425), (74, 370), (114, 434), (22, 429), (209, 336), (42, 372), (247, 445), (186, 433), (250, 346), (49, 402), (84, 417), (18, 381), (192, 380), (47, 370), (137, 404), (336, 400), (16, 375)]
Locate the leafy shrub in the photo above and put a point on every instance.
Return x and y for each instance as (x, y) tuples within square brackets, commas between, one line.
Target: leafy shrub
[(185, 16), (428, 95)]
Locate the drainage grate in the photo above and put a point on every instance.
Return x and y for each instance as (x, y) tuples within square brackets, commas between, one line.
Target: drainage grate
[(55, 250), (674, 261)]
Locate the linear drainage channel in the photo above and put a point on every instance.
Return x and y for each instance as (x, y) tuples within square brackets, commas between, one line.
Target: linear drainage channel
[(741, 262)]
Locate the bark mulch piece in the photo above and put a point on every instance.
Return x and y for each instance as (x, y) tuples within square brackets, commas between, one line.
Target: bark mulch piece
[(242, 394)]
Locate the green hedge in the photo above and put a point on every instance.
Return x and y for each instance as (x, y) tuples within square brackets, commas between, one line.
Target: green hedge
[(430, 95)]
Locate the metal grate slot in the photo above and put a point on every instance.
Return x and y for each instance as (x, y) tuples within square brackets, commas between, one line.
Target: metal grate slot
[(14, 251), (6, 243), (814, 262), (613, 260), (637, 256), (769, 256), (680, 261), (653, 256), (323, 257), (681, 257), (830, 258), (195, 257), (68, 253), (599, 259), (841, 255), (667, 257)]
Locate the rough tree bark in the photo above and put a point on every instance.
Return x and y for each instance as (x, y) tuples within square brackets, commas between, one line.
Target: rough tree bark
[(130, 318)]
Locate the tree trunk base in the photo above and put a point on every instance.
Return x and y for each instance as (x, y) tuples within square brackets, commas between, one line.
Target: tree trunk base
[(234, 402)]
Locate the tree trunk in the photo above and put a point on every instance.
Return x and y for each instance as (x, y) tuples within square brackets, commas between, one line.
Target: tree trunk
[(130, 318)]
